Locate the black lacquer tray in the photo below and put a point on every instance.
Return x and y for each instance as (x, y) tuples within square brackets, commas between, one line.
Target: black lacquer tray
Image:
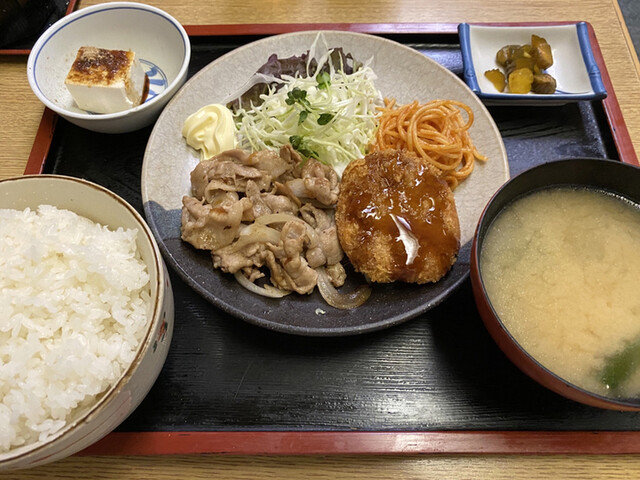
[(24, 35), (437, 383)]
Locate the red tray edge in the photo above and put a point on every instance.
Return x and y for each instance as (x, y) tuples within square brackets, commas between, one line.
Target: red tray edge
[(365, 443), (317, 443)]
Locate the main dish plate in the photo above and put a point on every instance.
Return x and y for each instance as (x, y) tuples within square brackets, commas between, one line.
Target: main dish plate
[(404, 74)]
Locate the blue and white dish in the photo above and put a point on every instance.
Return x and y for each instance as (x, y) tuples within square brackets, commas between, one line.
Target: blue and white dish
[(574, 67), (158, 40), (158, 81)]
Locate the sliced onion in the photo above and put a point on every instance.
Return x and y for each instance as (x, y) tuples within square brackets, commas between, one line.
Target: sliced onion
[(266, 291), (333, 297), (255, 233), (287, 217)]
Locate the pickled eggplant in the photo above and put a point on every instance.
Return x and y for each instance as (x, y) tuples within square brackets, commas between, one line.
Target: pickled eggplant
[(543, 83), (505, 54)]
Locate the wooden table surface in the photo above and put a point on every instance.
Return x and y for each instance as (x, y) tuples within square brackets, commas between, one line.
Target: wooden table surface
[(20, 113)]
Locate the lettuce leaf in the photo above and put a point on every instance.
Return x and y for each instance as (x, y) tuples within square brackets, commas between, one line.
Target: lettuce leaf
[(294, 66)]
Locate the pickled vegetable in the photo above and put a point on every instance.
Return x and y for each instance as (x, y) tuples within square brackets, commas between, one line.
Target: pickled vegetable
[(520, 80), (526, 63), (505, 54), (543, 83), (541, 51), (498, 79), (522, 59)]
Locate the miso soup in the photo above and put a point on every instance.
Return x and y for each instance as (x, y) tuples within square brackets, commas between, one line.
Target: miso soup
[(561, 268)]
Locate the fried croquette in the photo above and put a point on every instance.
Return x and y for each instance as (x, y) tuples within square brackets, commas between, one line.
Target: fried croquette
[(396, 219)]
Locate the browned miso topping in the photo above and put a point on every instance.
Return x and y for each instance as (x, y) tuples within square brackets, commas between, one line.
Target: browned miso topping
[(145, 90), (99, 65), (411, 193)]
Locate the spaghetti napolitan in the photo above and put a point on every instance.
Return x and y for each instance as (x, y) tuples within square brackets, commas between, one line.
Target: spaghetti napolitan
[(435, 131)]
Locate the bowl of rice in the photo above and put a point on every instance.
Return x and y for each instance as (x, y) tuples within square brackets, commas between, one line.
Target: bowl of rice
[(86, 316)]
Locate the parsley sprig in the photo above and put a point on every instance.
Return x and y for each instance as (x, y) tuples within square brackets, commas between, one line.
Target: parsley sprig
[(324, 80), (299, 97), (300, 144)]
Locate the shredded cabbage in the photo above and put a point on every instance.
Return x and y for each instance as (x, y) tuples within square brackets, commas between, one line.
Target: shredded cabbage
[(329, 116)]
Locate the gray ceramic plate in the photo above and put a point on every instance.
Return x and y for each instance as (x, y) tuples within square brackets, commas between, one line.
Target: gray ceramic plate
[(402, 73)]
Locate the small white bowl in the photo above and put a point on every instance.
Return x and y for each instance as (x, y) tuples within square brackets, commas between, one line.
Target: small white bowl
[(159, 41), (574, 67), (105, 207)]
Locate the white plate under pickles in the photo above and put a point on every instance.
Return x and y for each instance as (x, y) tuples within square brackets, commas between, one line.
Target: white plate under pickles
[(574, 67)]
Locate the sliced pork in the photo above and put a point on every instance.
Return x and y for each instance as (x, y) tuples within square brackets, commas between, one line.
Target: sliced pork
[(294, 197)]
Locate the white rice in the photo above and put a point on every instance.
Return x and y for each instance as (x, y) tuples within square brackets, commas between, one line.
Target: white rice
[(74, 300)]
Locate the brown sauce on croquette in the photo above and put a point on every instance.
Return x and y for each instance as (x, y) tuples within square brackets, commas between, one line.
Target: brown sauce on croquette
[(403, 200)]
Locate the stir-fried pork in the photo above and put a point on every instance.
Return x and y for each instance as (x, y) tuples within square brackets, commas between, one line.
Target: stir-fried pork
[(265, 203), (316, 181), (235, 188), (296, 274), (210, 227), (325, 227)]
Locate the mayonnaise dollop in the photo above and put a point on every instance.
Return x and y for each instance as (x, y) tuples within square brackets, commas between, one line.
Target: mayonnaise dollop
[(210, 130)]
